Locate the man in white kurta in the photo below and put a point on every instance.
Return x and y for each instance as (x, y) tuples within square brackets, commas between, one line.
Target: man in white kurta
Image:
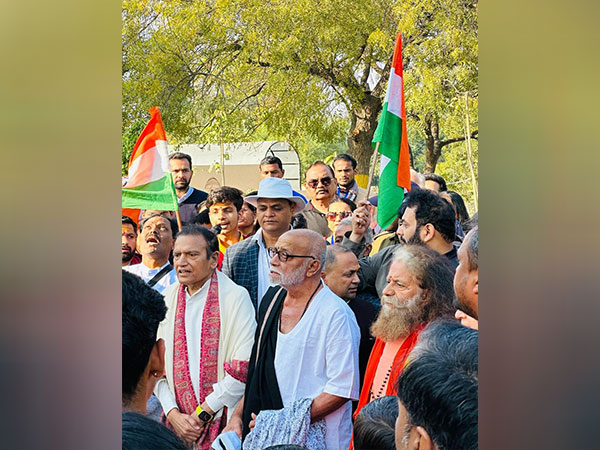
[(308, 344), (235, 341), (237, 325), (321, 355)]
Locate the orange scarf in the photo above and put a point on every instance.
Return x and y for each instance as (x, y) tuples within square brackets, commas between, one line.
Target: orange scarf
[(399, 361)]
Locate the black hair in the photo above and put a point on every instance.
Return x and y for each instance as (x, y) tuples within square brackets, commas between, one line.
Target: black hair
[(225, 194), (202, 218), (180, 155), (271, 160), (321, 163), (141, 432), (212, 242), (344, 157), (375, 424), (438, 179), (461, 208), (128, 220), (143, 309), (298, 221), (438, 387), (347, 201), (172, 223), (433, 209), (471, 223)]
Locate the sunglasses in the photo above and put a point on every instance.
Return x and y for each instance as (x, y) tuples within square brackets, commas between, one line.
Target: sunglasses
[(324, 181), (342, 215)]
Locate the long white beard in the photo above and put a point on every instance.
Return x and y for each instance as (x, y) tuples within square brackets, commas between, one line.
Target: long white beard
[(397, 322)]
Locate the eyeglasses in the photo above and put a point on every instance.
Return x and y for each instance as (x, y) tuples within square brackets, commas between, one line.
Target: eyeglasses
[(342, 214), (283, 255), (326, 181)]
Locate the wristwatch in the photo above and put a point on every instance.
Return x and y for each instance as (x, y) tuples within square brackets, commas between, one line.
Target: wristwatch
[(203, 415)]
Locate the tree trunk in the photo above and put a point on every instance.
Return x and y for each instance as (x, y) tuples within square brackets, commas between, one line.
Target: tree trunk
[(362, 127), (433, 144)]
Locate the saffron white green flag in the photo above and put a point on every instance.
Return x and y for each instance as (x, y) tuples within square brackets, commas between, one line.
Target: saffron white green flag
[(149, 182), (394, 171)]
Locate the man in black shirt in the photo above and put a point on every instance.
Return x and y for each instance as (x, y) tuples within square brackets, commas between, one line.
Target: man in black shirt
[(180, 165), (424, 218)]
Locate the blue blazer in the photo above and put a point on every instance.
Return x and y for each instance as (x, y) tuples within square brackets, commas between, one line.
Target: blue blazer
[(240, 263)]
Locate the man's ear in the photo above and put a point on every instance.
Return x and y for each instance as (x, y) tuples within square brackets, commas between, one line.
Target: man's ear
[(367, 250), (323, 275), (424, 441), (214, 260), (157, 357), (427, 232), (313, 267), (476, 282)]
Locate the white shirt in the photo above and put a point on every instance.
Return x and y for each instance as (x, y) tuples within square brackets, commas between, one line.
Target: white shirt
[(146, 274), (264, 267), (319, 355), (235, 342)]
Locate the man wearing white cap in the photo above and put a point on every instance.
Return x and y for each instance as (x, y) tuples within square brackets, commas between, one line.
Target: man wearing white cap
[(247, 262)]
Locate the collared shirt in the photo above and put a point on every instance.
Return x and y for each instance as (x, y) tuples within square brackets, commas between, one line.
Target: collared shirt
[(264, 267), (146, 274), (186, 195), (354, 193), (351, 193), (316, 220)]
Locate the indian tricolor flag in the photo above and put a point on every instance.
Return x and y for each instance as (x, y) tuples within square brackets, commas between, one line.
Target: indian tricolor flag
[(394, 172), (149, 182)]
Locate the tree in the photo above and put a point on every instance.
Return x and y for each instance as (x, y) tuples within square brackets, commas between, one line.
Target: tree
[(296, 70)]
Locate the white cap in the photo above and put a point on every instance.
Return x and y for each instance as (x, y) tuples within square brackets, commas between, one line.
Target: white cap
[(272, 187)]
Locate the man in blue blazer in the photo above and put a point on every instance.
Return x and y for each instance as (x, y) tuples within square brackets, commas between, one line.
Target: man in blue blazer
[(247, 262)]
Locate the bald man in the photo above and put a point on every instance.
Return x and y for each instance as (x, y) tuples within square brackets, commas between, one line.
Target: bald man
[(309, 343)]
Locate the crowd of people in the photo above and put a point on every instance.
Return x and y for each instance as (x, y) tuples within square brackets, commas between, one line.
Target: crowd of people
[(282, 320)]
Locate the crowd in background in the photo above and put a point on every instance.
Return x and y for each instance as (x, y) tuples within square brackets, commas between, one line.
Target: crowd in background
[(284, 319)]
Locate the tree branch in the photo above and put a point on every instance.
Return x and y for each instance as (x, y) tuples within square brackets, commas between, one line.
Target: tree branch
[(474, 135)]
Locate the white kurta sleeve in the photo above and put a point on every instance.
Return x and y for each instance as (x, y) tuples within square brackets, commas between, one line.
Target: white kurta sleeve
[(238, 330), (226, 392), (164, 395), (342, 357)]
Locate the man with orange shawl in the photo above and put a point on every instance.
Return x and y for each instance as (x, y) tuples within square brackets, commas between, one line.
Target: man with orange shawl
[(419, 289)]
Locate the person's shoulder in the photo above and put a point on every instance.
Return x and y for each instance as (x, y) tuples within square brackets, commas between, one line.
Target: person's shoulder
[(333, 304), (240, 248), (197, 196), (232, 287), (134, 269), (170, 291)]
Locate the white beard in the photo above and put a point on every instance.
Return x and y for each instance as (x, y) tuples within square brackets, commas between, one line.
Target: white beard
[(397, 322)]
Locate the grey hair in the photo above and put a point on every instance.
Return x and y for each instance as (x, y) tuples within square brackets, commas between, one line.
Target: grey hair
[(332, 252), (472, 241), (368, 235), (433, 274)]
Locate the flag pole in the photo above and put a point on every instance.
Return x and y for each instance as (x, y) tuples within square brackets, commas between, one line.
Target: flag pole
[(178, 216), (372, 171)]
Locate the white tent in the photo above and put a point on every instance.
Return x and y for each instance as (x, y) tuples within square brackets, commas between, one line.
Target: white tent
[(241, 163)]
